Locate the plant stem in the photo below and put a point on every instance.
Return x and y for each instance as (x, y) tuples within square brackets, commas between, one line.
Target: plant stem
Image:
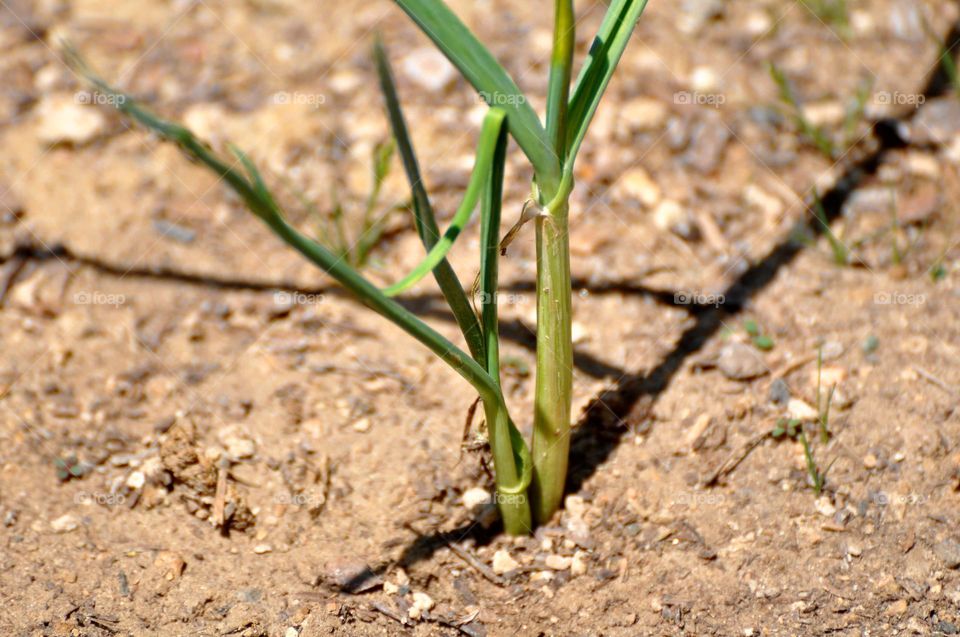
[(551, 420), (561, 66)]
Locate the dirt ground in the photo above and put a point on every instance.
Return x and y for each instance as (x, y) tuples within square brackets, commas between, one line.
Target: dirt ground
[(201, 435)]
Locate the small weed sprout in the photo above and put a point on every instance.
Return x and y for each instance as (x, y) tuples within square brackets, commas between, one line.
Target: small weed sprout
[(760, 341), (833, 13), (814, 134), (529, 480), (793, 429)]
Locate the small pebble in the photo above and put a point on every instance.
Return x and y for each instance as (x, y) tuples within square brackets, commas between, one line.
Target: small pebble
[(237, 444), (896, 609), (362, 425), (779, 393), (949, 551), (802, 411), (558, 562), (578, 565), (421, 604), (428, 68), (475, 499), (824, 507), (260, 549), (65, 523), (62, 120), (741, 362), (637, 184), (503, 563)]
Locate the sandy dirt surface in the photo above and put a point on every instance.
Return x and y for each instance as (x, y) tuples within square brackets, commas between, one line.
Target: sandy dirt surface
[(201, 435)]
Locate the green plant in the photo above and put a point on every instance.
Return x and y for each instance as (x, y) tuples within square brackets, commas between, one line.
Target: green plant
[(332, 232), (760, 341), (814, 134), (793, 428), (551, 148), (831, 12), (841, 255)]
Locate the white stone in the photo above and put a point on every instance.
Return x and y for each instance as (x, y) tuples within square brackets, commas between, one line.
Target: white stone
[(476, 498), (643, 113), (428, 68), (65, 523), (63, 119), (136, 480), (825, 507), (668, 215), (824, 113), (704, 79), (504, 563), (236, 442), (800, 410), (421, 604), (637, 184), (578, 565)]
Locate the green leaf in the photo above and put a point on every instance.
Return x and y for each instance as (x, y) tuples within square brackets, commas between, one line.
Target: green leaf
[(486, 149), (561, 64), (491, 81), (605, 53), (423, 215), (763, 342)]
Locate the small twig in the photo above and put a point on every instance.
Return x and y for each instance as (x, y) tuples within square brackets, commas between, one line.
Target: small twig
[(927, 376), (380, 607), (464, 626), (734, 460), (792, 366), (476, 564), (467, 425), (220, 500)]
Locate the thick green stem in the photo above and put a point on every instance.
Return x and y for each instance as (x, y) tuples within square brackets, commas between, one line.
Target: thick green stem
[(514, 507), (551, 424)]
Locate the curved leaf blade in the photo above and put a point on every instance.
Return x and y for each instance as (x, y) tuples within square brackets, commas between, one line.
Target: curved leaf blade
[(488, 77)]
